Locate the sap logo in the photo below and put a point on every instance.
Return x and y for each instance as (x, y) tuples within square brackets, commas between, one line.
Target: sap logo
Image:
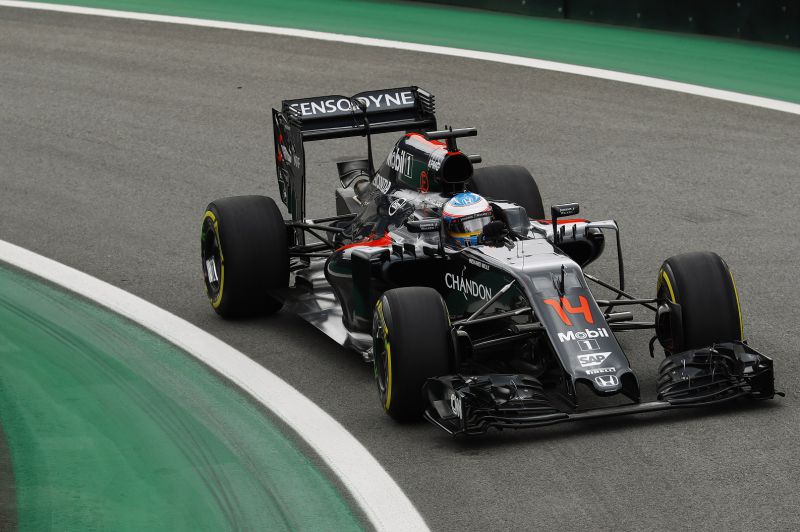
[(381, 183), (396, 206), (600, 370), (467, 286), (436, 158), (600, 332), (478, 263), (607, 381), (455, 405), (400, 161), (343, 105), (592, 360)]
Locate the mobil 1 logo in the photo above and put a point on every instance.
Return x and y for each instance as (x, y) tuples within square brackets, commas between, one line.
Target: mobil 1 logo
[(588, 345), (585, 334)]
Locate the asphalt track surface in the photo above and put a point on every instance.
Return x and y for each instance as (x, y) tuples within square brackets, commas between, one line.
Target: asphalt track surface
[(114, 135)]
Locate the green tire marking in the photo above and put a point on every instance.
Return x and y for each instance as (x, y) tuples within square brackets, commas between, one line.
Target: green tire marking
[(111, 427), (741, 66)]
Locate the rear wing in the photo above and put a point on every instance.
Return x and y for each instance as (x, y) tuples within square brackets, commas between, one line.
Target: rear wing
[(328, 117)]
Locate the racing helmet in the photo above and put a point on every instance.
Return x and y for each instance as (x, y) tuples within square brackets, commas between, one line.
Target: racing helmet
[(464, 216)]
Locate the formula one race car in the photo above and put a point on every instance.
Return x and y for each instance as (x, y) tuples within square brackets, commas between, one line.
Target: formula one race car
[(471, 303)]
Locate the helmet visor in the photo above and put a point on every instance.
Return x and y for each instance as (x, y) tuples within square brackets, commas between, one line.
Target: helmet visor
[(472, 226)]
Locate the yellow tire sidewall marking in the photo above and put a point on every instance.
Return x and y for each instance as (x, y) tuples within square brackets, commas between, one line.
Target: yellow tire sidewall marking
[(388, 348), (738, 307), (216, 301), (389, 374), (665, 277)]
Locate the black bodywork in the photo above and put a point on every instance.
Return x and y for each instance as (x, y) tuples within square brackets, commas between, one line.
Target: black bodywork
[(529, 337)]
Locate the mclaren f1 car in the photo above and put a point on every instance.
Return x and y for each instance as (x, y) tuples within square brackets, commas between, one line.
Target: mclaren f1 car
[(471, 326)]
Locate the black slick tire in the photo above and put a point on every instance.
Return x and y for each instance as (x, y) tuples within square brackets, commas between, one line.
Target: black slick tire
[(509, 183), (701, 287), (411, 343), (245, 255)]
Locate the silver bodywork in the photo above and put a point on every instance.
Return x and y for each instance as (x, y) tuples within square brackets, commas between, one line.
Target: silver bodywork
[(312, 299)]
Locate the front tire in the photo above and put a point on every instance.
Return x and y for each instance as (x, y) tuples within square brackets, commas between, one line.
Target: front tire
[(411, 343), (245, 255), (700, 303)]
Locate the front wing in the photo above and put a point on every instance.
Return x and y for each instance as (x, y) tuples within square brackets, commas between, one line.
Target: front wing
[(724, 372)]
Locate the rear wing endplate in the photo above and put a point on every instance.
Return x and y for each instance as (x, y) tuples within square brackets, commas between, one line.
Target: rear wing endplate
[(328, 117)]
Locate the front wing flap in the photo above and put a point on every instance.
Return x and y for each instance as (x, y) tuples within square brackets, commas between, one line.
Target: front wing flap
[(462, 404), (722, 371), (473, 404)]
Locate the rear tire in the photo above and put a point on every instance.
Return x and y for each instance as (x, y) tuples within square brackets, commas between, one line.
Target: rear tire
[(411, 343), (245, 254), (704, 305), (509, 183)]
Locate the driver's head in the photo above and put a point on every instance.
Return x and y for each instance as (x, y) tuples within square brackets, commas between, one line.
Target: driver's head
[(464, 216)]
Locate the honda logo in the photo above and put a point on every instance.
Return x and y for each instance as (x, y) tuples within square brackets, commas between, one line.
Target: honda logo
[(607, 381)]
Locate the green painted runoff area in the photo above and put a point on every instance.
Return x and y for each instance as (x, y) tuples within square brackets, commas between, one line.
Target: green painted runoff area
[(740, 66), (112, 428)]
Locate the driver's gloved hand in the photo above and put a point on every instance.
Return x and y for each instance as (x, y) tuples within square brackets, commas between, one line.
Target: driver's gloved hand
[(494, 232)]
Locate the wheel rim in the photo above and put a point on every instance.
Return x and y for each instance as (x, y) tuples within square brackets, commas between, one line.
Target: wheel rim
[(381, 350), (664, 330), (211, 255)]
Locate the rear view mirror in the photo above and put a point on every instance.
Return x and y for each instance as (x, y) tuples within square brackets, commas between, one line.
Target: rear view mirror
[(557, 211), (428, 225), (565, 209)]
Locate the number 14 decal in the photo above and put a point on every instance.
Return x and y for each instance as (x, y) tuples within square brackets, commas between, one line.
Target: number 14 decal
[(582, 308)]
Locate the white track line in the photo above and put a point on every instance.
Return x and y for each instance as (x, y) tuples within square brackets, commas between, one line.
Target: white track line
[(381, 499), (730, 96)]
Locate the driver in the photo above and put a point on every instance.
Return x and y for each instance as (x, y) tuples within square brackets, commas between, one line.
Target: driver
[(464, 216)]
